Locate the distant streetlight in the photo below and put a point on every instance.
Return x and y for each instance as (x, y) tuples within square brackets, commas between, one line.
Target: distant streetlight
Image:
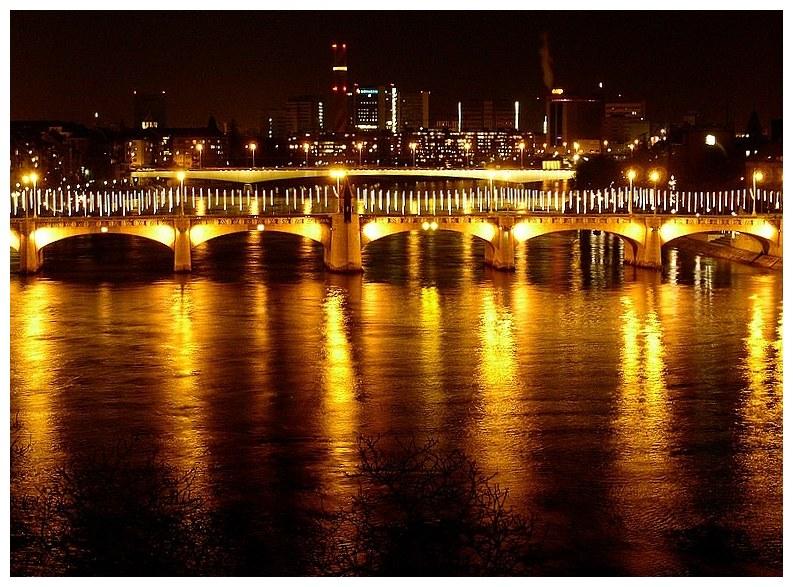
[(467, 147), (306, 148), (757, 177), (710, 140), (180, 175), (252, 147), (521, 147), (631, 175), (200, 148), (413, 146), (359, 145)]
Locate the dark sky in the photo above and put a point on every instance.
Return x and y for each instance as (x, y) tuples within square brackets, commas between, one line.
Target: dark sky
[(66, 65)]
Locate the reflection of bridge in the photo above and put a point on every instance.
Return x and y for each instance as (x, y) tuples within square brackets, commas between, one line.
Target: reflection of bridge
[(343, 238), (264, 175)]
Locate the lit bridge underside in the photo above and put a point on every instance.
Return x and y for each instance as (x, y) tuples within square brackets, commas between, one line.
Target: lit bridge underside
[(264, 175), (343, 237)]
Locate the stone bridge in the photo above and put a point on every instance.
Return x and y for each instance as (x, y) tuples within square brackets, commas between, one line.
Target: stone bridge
[(344, 237)]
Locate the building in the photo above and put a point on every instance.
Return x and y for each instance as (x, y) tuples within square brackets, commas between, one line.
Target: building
[(414, 110), (149, 110), (624, 122), (305, 114), (450, 148), (474, 115), (339, 111), (376, 108), (574, 119)]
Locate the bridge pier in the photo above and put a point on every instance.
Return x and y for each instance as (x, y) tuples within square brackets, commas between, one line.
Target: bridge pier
[(31, 258), (343, 251), (500, 251), (182, 258), (645, 254)]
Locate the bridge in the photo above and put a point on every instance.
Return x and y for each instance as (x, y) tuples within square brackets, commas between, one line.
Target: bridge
[(351, 224), (262, 175)]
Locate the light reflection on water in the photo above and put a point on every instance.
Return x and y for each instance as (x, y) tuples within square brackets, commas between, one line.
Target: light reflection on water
[(623, 408)]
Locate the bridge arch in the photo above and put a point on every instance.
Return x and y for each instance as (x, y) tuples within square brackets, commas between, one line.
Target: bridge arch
[(632, 234), (766, 233), (374, 230), (159, 233), (317, 232)]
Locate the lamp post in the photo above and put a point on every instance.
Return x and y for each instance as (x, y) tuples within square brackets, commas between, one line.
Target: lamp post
[(180, 176), (252, 147), (654, 177), (467, 147), (522, 147), (757, 176), (26, 181), (413, 146), (359, 145), (200, 148), (306, 148), (631, 175)]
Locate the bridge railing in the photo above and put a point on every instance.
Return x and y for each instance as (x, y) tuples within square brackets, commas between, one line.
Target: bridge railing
[(323, 199)]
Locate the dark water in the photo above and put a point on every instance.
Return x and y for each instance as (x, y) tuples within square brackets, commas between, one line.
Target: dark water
[(636, 416)]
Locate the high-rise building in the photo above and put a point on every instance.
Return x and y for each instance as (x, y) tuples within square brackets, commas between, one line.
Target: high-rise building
[(376, 108), (414, 110), (339, 114), (486, 115), (149, 110), (624, 122), (572, 119), (305, 114)]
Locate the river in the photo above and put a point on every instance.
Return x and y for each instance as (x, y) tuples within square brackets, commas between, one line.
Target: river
[(635, 416)]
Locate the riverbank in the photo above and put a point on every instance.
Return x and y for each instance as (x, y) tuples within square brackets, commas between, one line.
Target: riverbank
[(731, 250)]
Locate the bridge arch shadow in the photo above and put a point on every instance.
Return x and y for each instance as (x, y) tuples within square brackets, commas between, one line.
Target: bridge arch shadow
[(239, 254), (105, 253)]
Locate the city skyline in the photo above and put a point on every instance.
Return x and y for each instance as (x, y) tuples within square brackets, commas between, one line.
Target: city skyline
[(225, 63)]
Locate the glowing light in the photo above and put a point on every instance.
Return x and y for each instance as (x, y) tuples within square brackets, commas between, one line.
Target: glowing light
[(103, 229), (557, 91), (433, 225), (260, 227), (338, 173), (180, 175), (425, 225), (521, 231), (373, 231), (631, 174), (758, 176), (710, 140), (654, 176)]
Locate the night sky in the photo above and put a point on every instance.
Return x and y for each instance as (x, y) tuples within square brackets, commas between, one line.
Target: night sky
[(237, 64)]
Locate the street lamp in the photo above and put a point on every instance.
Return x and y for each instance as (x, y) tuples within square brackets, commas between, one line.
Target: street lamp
[(654, 177), (631, 175), (413, 146), (359, 145), (467, 146), (306, 148), (252, 147), (180, 175), (32, 178), (200, 148), (338, 174), (757, 176), (26, 181), (522, 147)]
